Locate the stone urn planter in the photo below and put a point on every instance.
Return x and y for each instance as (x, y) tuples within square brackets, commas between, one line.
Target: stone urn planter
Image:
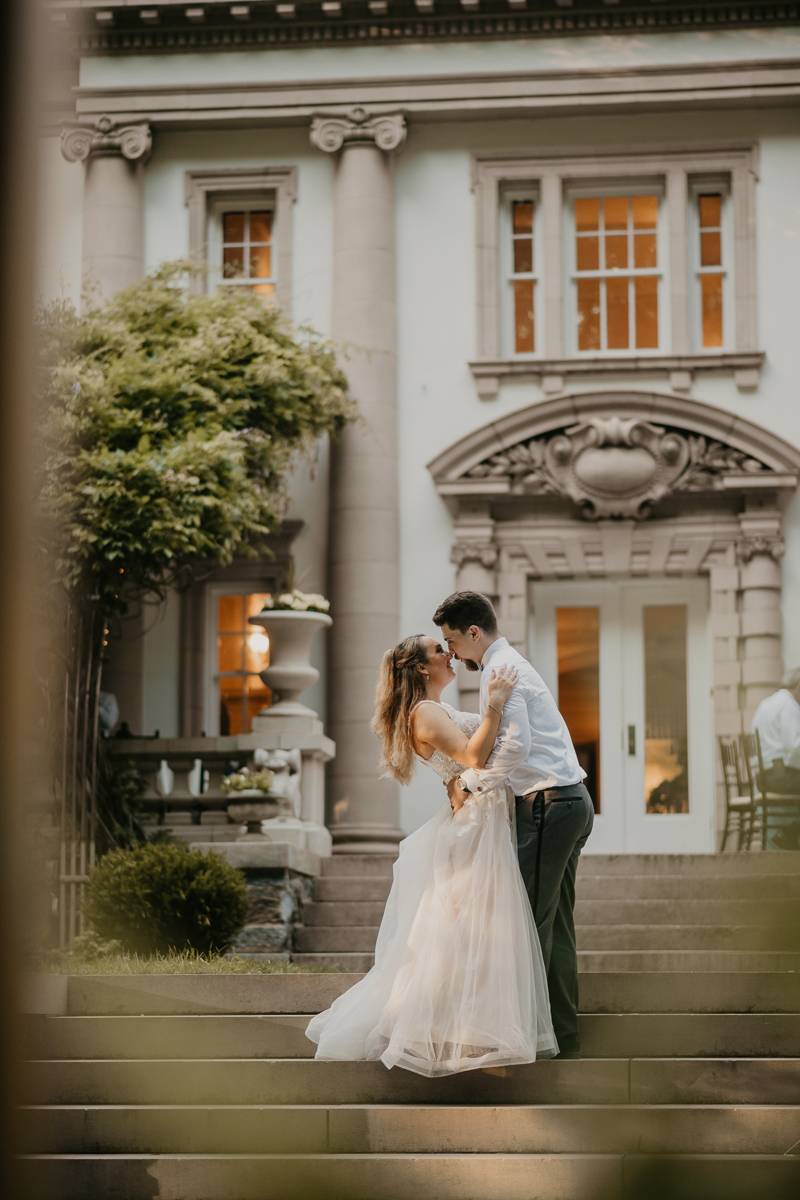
[(255, 807), (289, 672)]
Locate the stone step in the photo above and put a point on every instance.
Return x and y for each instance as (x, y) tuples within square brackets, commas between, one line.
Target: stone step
[(346, 888), (669, 1080), (680, 887), (327, 939), (362, 866), (781, 938), (603, 1035), (343, 913), (335, 961), (614, 992), (610, 961), (186, 995), (409, 1177), (389, 1129), (333, 939), (688, 992), (686, 961), (312, 1177), (688, 912), (778, 862)]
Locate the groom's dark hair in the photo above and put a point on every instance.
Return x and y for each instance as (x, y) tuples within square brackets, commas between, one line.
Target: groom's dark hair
[(463, 609)]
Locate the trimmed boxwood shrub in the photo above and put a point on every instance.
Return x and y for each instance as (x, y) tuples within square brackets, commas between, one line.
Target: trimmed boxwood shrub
[(158, 898)]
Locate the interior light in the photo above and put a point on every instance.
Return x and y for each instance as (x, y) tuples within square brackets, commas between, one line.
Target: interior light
[(258, 643)]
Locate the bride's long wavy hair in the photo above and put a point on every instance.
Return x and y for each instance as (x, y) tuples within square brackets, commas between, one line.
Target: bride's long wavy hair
[(401, 685)]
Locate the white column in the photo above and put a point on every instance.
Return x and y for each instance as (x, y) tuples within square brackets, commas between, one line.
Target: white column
[(363, 578), (113, 201), (762, 627)]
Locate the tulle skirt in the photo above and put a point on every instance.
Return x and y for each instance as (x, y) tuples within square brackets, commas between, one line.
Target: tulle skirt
[(459, 981)]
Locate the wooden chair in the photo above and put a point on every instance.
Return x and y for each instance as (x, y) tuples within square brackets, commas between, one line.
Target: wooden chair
[(740, 809), (766, 801)]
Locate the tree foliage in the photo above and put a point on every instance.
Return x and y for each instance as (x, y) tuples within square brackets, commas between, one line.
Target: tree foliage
[(170, 423)]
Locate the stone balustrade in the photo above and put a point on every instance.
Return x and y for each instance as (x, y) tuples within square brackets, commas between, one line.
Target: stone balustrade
[(184, 775)]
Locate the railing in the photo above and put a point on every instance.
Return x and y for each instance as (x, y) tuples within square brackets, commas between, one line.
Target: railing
[(185, 774)]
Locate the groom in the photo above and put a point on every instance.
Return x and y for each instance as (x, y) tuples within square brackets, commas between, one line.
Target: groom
[(535, 756)]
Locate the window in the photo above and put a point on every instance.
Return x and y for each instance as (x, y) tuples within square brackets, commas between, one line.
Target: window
[(595, 262), (616, 272), (240, 226), (710, 259), (521, 271), (242, 246), (242, 651)]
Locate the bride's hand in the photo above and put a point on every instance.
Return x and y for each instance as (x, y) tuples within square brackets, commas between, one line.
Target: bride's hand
[(501, 685)]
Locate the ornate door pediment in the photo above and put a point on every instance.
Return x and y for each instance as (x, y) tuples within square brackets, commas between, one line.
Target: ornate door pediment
[(615, 455)]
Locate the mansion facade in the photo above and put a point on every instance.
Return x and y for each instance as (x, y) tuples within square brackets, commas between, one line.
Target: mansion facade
[(558, 244)]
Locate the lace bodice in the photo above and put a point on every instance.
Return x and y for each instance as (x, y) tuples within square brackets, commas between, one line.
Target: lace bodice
[(444, 766)]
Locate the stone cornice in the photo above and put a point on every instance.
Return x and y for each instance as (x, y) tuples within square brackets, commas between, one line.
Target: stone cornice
[(173, 26), (387, 132), (490, 374), (105, 138), (472, 96)]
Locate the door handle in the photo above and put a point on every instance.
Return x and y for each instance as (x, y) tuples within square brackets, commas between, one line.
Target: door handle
[(631, 740)]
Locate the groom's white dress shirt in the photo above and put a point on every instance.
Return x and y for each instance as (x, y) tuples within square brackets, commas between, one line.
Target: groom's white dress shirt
[(534, 749)]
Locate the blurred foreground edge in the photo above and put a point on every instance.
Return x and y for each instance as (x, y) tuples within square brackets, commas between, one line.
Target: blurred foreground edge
[(18, 56)]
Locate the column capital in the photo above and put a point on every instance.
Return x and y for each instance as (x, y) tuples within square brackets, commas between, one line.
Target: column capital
[(771, 545), (387, 131), (486, 553), (105, 138)]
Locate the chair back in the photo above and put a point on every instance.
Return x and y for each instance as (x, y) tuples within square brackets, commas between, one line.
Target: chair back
[(750, 746), (731, 772)]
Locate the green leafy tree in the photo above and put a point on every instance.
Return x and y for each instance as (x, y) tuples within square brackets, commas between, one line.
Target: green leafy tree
[(171, 422), (169, 425)]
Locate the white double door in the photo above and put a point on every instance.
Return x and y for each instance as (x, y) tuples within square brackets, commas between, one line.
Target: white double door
[(630, 667)]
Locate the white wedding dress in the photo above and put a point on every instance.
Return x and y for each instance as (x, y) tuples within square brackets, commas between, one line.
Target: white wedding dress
[(459, 981)]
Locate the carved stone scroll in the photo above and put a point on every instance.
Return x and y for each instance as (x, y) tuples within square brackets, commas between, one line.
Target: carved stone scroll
[(106, 138), (617, 466), (387, 131)]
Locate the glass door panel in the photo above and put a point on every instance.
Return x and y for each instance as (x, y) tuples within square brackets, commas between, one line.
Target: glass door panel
[(578, 651), (629, 666), (666, 702), (666, 744)]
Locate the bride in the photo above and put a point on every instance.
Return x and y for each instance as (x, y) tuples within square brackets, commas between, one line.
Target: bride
[(458, 982)]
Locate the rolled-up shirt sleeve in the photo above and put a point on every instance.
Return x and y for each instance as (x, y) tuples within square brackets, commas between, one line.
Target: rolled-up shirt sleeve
[(511, 748)]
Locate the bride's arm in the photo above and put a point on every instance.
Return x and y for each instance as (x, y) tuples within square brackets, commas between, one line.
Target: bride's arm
[(432, 726)]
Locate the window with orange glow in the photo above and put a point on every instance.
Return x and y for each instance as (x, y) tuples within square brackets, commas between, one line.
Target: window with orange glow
[(242, 652), (247, 250), (523, 274), (710, 273), (616, 272)]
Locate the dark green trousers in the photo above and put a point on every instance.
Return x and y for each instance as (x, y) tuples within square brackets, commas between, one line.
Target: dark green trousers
[(567, 824)]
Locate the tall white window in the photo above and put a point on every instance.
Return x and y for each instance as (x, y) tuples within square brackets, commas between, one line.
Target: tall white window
[(520, 269), (711, 256), (616, 271), (242, 245)]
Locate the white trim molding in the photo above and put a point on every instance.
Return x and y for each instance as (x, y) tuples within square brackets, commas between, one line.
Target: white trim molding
[(460, 96), (553, 374), (203, 187), (672, 167)]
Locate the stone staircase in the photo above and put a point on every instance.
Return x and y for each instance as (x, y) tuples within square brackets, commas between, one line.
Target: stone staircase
[(203, 1088)]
